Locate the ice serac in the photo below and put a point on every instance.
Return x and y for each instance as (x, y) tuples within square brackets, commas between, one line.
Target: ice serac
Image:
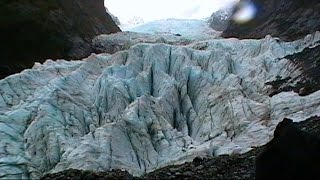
[(149, 106), (124, 40)]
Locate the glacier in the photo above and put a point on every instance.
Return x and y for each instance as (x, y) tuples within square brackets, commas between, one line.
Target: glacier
[(148, 104), (191, 28)]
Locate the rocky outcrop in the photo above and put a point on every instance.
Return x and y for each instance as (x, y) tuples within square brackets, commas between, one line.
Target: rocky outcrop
[(219, 20), (147, 107), (307, 61), (286, 19), (32, 31)]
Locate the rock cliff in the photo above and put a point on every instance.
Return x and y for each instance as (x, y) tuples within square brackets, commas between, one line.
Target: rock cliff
[(219, 20), (286, 19), (32, 31)]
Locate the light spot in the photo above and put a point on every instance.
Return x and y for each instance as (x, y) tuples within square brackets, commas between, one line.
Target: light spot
[(245, 13)]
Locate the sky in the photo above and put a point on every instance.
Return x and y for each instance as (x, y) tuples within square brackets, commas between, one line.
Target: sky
[(150, 10)]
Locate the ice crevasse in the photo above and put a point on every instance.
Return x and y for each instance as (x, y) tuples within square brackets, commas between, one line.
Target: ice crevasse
[(152, 105)]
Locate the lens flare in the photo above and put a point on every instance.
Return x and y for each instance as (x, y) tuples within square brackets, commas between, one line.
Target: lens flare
[(245, 12)]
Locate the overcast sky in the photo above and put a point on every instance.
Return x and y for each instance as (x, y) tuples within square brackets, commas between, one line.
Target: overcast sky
[(150, 10)]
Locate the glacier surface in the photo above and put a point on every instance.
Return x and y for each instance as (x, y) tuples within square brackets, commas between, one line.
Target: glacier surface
[(192, 28), (151, 105)]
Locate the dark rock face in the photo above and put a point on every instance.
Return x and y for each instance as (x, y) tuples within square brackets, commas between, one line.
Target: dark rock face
[(114, 18), (287, 19), (32, 31), (308, 61), (292, 154)]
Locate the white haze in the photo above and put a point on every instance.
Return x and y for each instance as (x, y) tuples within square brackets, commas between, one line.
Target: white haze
[(150, 10)]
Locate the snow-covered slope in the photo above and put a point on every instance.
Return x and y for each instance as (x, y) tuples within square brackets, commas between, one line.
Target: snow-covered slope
[(184, 27), (220, 19), (132, 22), (150, 106)]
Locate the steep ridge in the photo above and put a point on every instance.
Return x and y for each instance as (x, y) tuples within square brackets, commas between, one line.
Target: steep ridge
[(286, 19), (220, 19), (149, 106), (32, 31)]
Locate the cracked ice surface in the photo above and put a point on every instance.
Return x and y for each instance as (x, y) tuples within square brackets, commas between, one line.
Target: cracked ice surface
[(147, 107)]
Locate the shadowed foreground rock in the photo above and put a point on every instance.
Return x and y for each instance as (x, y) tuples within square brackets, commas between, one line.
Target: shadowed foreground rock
[(32, 31), (292, 154)]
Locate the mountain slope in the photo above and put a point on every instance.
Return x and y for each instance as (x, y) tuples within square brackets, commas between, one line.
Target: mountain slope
[(32, 31), (286, 19), (220, 19)]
